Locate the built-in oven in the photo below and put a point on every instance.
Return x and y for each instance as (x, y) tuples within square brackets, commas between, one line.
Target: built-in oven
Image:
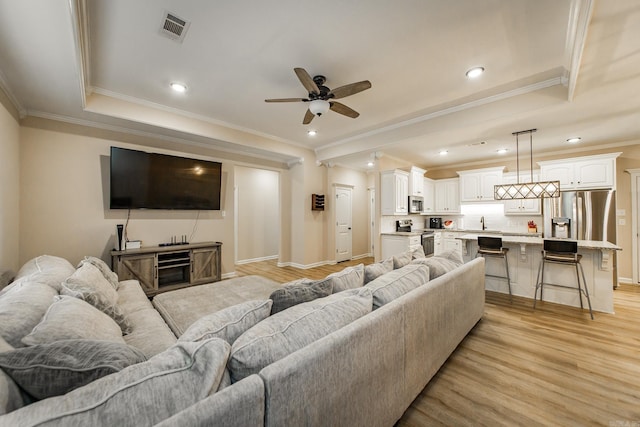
[(428, 242)]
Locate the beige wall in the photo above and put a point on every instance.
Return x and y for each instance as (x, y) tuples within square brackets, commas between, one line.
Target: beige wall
[(9, 187), (258, 225)]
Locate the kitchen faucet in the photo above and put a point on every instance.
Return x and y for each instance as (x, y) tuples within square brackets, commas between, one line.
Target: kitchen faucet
[(482, 222)]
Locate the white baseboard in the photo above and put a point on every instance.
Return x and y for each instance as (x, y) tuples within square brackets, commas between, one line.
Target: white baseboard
[(626, 280), (318, 264), (228, 275), (249, 261), (362, 256)]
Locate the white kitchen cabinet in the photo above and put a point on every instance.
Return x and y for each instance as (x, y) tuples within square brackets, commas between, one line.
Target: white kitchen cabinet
[(447, 196), (477, 185), (416, 181), (445, 241), (394, 192), (428, 206), (581, 173), (397, 244), (521, 206)]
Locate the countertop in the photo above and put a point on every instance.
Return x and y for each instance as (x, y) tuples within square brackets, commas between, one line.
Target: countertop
[(531, 240), (418, 232)]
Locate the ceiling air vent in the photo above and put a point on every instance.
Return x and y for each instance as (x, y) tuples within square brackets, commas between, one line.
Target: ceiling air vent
[(174, 27)]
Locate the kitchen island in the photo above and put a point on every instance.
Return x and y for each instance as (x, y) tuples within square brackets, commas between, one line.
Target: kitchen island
[(525, 253)]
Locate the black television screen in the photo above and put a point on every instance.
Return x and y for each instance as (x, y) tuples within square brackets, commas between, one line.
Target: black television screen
[(141, 180)]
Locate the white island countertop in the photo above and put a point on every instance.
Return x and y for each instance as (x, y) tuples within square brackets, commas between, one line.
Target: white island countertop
[(531, 240)]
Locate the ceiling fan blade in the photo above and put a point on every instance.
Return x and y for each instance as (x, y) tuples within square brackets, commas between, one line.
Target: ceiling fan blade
[(350, 89), (308, 116), (286, 100), (307, 81), (343, 109)]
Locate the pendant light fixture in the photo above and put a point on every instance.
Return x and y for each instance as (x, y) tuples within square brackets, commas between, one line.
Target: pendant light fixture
[(526, 190)]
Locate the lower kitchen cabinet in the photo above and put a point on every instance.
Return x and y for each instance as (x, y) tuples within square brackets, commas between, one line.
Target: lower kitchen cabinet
[(396, 244), (445, 241)]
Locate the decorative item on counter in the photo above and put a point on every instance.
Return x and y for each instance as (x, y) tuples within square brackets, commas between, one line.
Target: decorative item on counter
[(449, 224), (532, 227)]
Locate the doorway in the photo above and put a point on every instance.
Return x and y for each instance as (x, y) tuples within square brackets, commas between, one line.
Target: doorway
[(344, 230)]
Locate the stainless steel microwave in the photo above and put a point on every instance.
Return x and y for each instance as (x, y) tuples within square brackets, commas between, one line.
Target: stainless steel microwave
[(415, 204)]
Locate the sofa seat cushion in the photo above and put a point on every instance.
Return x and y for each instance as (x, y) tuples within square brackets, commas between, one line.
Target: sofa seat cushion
[(72, 318), (149, 333), (290, 330), (182, 307), (54, 369), (21, 309), (299, 291), (229, 323), (397, 283), (377, 269), (47, 269), (142, 394)]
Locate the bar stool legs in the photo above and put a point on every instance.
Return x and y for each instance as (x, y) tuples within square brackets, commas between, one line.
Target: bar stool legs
[(492, 247)]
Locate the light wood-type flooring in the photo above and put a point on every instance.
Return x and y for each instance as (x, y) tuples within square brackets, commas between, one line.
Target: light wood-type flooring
[(552, 366)]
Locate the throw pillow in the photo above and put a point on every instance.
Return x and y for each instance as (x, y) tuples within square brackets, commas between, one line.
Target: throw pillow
[(417, 253), (99, 301), (141, 394), (228, 323), (453, 255), (375, 270), (437, 265), (401, 260), (297, 292), (47, 269), (6, 277), (22, 308), (71, 318), (88, 276), (288, 331), (104, 269), (348, 278), (10, 394), (397, 283), (53, 369)]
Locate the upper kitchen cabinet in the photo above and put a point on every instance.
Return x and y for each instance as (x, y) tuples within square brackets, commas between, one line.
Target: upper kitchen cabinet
[(447, 196), (428, 186), (521, 206), (477, 185), (394, 192), (580, 173), (416, 181)]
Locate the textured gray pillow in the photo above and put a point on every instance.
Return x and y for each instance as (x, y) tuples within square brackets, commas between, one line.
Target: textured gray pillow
[(401, 260), (142, 394), (437, 265), (10, 394), (417, 252), (453, 255), (375, 270), (228, 323), (397, 283), (53, 369), (22, 308), (297, 292), (348, 278), (71, 318), (47, 269), (89, 276), (99, 301), (104, 269), (288, 331)]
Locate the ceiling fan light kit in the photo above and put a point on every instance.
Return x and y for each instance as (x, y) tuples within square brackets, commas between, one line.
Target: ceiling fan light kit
[(320, 97), (526, 190)]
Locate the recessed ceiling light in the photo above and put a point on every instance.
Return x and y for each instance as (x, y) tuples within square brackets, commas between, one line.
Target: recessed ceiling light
[(502, 151), (574, 140), (370, 164), (475, 72), (312, 133), (178, 87), (444, 152)]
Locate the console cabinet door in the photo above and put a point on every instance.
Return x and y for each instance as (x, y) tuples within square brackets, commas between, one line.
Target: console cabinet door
[(205, 265), (142, 268)]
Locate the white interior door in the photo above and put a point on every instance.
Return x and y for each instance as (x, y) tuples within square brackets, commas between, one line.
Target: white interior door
[(372, 220), (343, 224)]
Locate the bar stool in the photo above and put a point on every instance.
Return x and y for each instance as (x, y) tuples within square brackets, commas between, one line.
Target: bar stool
[(492, 247), (563, 252)]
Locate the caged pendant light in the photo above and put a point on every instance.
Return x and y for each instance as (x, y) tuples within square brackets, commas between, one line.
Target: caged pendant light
[(526, 190)]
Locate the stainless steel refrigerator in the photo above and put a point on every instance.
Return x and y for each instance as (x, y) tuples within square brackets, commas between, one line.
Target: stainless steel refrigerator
[(583, 215)]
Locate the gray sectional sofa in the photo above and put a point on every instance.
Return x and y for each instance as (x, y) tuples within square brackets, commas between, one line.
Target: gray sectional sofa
[(241, 352)]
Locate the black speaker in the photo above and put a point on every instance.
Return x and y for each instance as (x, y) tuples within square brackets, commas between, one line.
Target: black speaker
[(120, 232)]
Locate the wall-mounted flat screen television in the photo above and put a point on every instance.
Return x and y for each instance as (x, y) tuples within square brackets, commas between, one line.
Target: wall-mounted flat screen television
[(141, 180)]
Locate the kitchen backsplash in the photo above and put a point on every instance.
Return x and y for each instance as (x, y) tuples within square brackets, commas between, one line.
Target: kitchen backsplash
[(492, 221)]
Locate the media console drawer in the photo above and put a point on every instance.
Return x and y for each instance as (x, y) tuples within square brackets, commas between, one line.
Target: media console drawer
[(165, 268)]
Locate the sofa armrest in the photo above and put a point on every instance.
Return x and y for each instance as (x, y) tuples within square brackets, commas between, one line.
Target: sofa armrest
[(241, 404)]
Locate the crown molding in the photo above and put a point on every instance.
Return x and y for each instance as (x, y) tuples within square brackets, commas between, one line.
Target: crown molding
[(80, 28), (580, 14), (12, 99)]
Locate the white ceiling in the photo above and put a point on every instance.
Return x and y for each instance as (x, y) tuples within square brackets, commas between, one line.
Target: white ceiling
[(565, 67)]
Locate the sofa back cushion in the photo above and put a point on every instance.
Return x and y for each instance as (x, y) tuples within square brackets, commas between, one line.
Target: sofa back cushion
[(290, 330), (377, 269), (21, 309), (229, 323), (47, 269), (348, 278), (142, 394), (396, 283)]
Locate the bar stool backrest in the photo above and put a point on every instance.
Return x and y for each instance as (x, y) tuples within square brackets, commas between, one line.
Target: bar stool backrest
[(561, 246), (493, 243)]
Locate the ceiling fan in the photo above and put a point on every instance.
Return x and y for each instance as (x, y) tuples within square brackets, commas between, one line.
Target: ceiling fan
[(321, 97)]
